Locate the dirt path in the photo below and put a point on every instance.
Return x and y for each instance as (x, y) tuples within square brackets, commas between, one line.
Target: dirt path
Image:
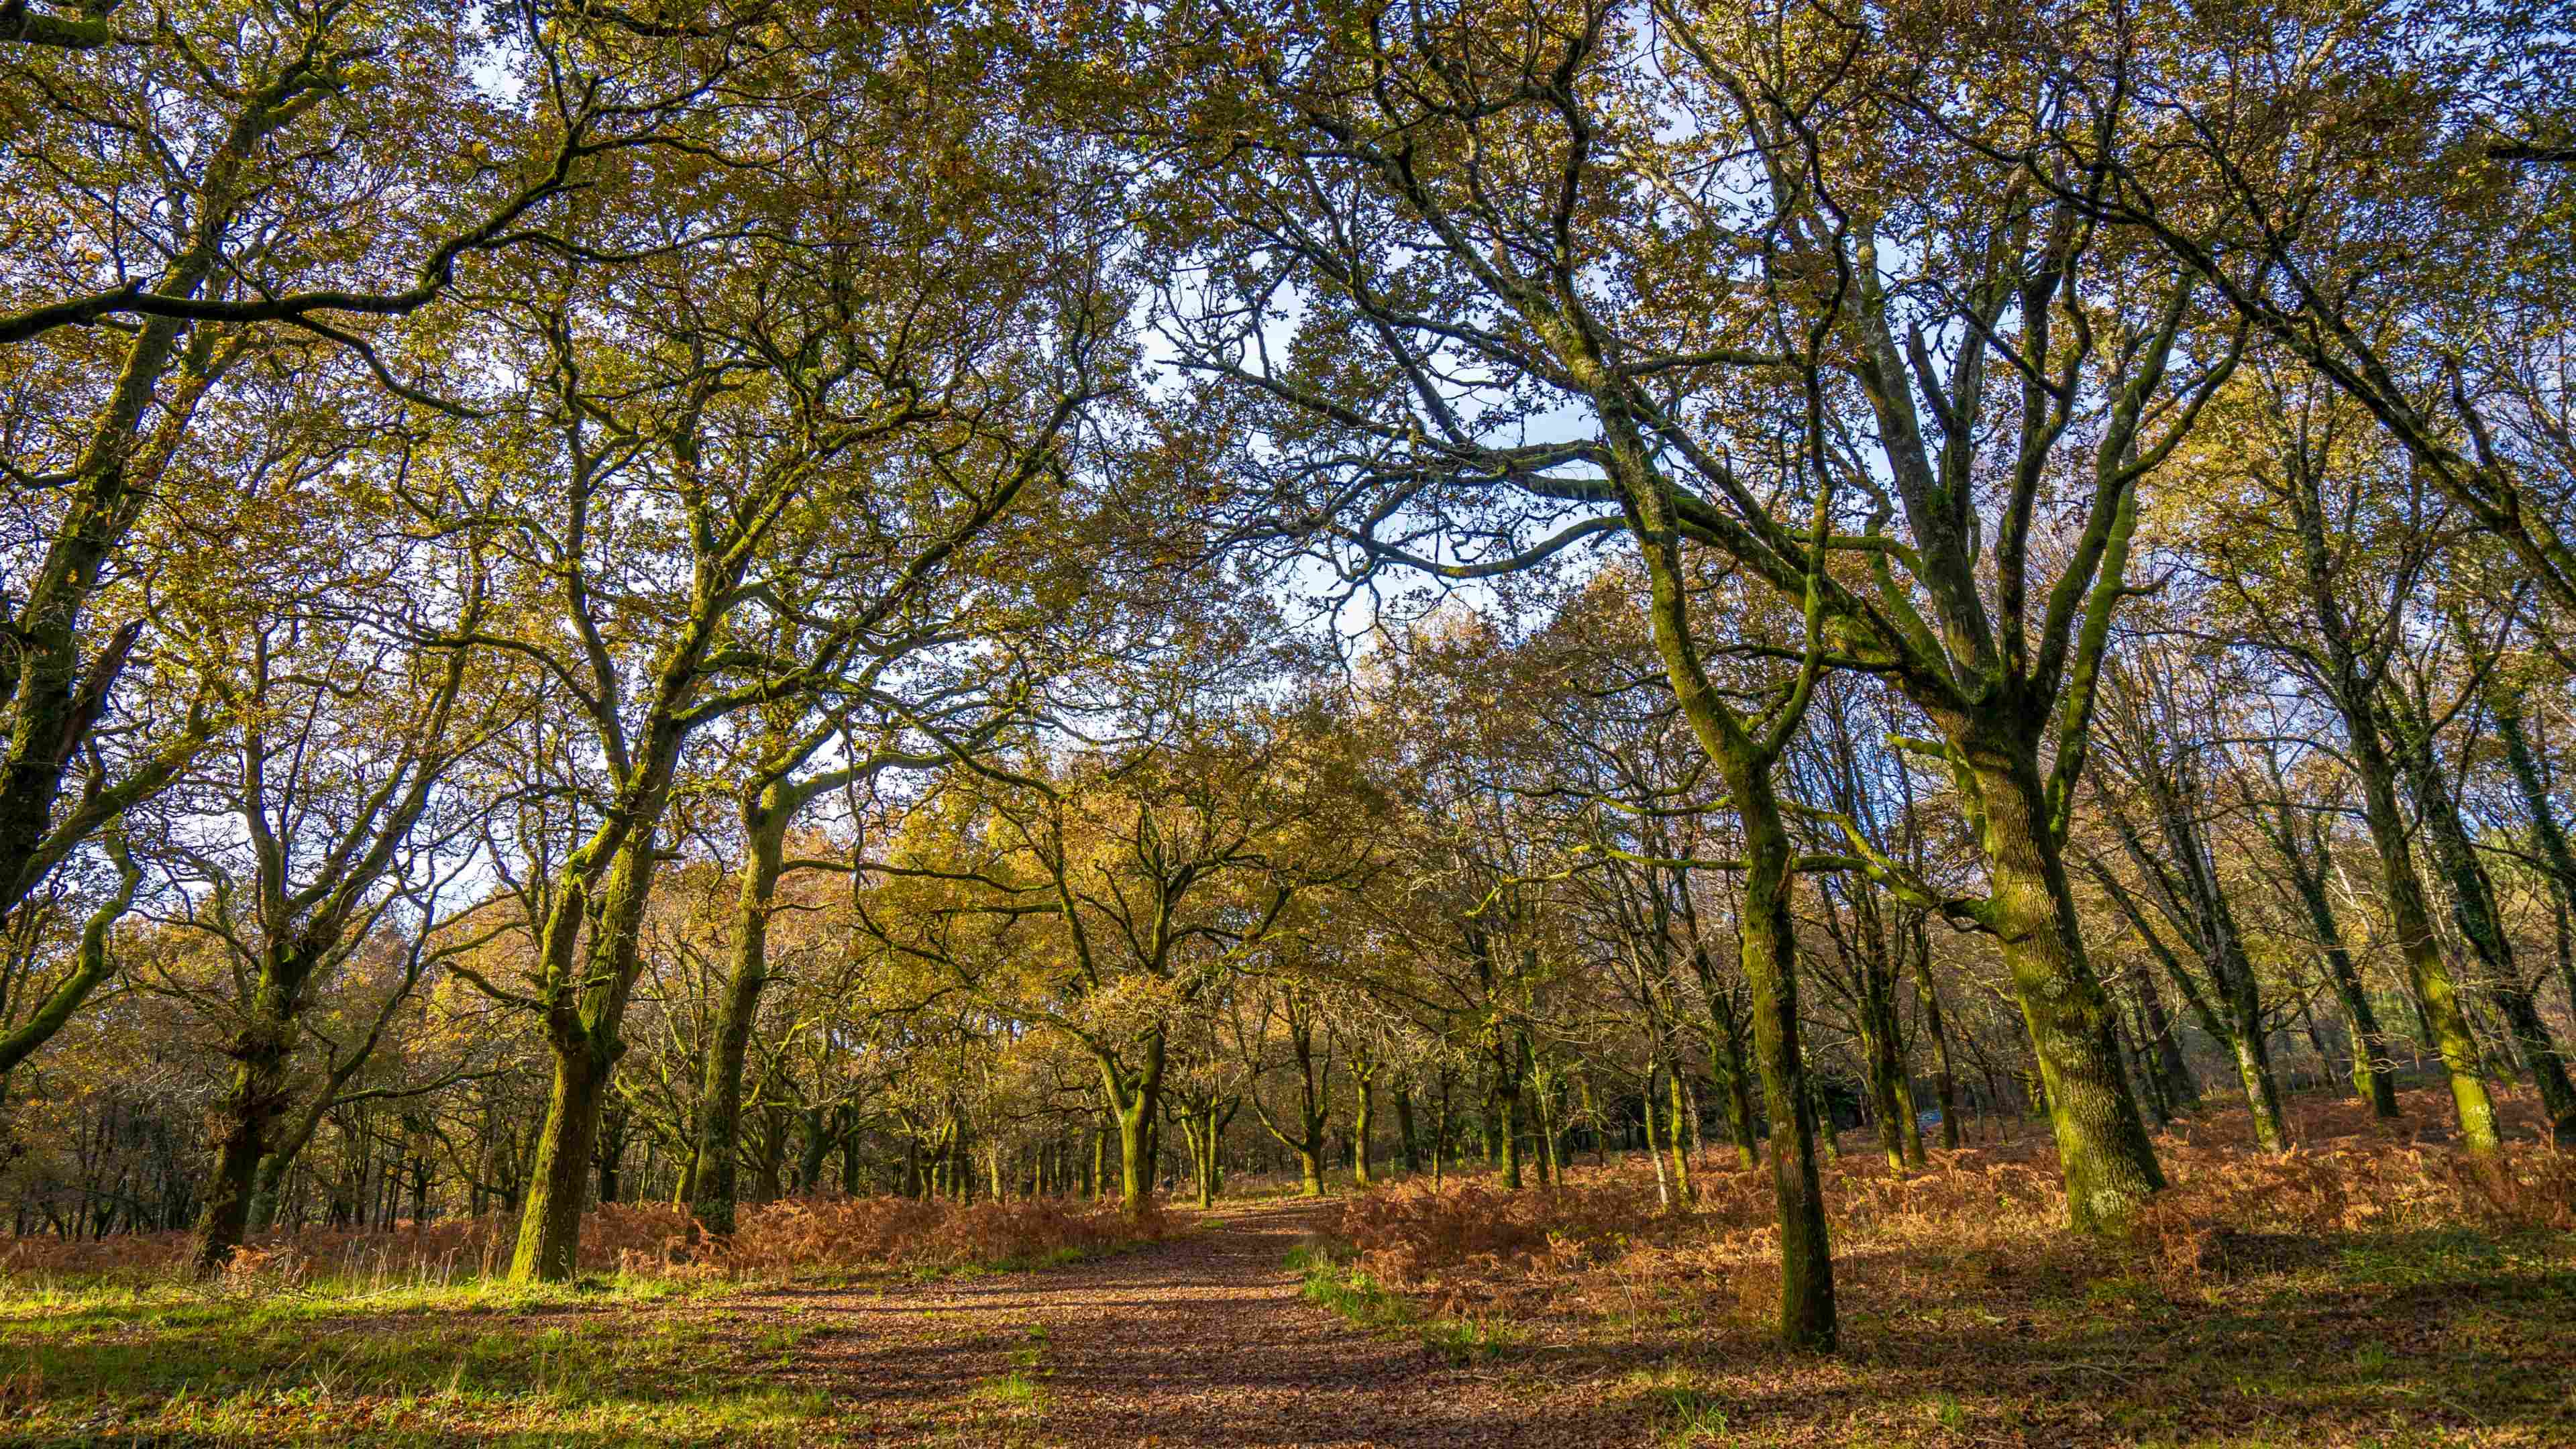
[(1202, 1341)]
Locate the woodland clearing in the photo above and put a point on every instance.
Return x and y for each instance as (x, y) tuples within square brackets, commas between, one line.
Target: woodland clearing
[(2357, 1292)]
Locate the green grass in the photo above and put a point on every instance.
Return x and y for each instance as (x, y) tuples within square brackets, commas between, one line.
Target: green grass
[(607, 1359), (57, 1312), (1013, 1390), (1363, 1301), (1684, 1411)]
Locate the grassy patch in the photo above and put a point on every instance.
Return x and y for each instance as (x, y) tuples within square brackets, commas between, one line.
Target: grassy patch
[(1013, 1390), (610, 1360), (1369, 1304), (1685, 1412)]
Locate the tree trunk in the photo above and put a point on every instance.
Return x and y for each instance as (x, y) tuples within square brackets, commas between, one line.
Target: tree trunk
[(2102, 1145), (1136, 1103), (1507, 1127), (1944, 1082), (2548, 832), (1675, 1140), (590, 968), (2165, 1050), (1654, 1143), (2436, 996), (550, 1217), (1739, 1093), (2373, 1065), (1364, 1082), (1411, 1146), (1886, 1067), (2474, 908), (261, 1051), (720, 1094), (610, 1153), (1770, 960), (258, 1094)]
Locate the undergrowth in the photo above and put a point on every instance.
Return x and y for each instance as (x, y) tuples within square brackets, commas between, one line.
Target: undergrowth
[(2349, 1178), (461, 1259), (1330, 1281), (2368, 1287)]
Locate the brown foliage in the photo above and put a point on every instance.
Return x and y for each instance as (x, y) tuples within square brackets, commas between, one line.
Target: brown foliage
[(2230, 1210), (777, 1240), (820, 1234)]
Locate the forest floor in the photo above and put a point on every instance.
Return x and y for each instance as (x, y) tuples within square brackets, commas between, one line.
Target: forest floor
[(1205, 1339), (1255, 1326)]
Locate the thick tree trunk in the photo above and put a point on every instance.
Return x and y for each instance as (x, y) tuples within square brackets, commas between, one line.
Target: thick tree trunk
[(550, 1218), (257, 1097), (1136, 1104), (1770, 960), (591, 964), (248, 1114), (2102, 1145)]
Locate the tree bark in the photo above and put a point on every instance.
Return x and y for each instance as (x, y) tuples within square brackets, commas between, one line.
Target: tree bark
[(765, 818), (2436, 996), (550, 1215), (2102, 1145), (2474, 908)]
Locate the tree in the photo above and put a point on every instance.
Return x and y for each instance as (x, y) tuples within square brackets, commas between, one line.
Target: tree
[(757, 437), (2332, 601), (2152, 744), (321, 812), (1469, 230), (1102, 893)]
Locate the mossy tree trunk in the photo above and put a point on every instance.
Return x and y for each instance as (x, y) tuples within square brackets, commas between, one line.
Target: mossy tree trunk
[(2410, 920), (1134, 1093), (1747, 754), (592, 952), (765, 818), (2102, 1145), (2481, 921), (1363, 1112)]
